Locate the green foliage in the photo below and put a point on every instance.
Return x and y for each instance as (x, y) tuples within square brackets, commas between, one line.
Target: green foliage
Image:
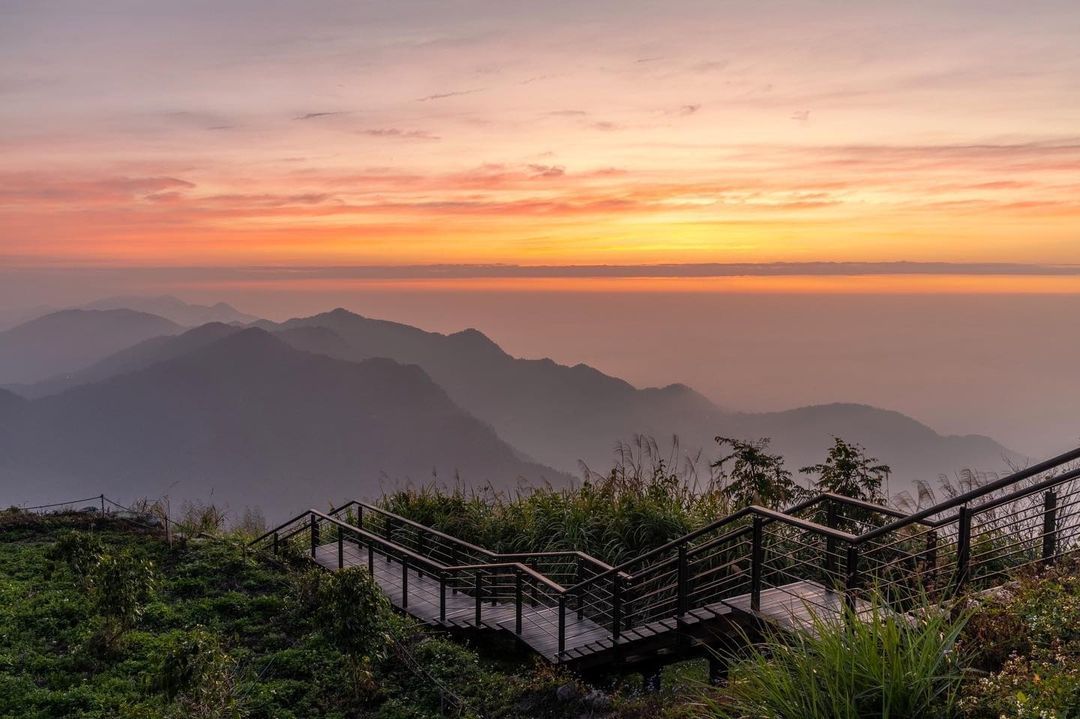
[(121, 585), (1027, 638), (81, 551), (637, 506), (751, 475), (878, 665), (849, 472), (225, 633), (197, 677), (354, 613)]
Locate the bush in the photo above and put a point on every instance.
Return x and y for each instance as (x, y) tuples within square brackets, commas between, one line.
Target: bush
[(881, 665), (197, 677), (1026, 638), (81, 551), (121, 584)]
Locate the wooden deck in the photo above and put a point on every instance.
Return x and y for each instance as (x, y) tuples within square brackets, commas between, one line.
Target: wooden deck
[(788, 607), (539, 625)]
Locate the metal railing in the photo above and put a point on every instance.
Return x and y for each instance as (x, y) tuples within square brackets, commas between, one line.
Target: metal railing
[(838, 548)]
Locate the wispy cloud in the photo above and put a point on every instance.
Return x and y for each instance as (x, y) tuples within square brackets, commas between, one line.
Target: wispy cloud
[(317, 115), (397, 133), (444, 95)]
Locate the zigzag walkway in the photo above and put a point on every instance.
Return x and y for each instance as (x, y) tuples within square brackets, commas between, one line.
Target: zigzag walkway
[(716, 586)]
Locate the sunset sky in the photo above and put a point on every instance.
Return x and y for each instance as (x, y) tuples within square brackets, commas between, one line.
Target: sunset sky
[(258, 132)]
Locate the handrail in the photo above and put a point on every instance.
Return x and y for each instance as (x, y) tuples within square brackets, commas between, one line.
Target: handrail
[(271, 532), (604, 566), (1024, 491), (397, 549), (962, 499), (764, 512)]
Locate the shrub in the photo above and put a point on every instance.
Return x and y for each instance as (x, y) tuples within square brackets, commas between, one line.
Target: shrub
[(197, 677), (121, 585), (1026, 637), (81, 551), (881, 665)]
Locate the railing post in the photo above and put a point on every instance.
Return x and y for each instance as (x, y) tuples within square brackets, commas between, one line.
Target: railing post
[(931, 559), (275, 542), (852, 578), (616, 605), (371, 559), (684, 582), (389, 535), (1049, 548), (314, 535), (963, 549), (757, 559), (102, 505), (442, 596), (404, 582), (830, 541), (580, 603), (562, 627), (340, 549), (517, 601), (360, 516), (479, 589)]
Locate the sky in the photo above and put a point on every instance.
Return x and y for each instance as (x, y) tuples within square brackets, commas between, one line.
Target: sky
[(267, 132), (709, 170)]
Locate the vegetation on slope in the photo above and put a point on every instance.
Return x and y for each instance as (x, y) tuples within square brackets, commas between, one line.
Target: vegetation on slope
[(101, 619)]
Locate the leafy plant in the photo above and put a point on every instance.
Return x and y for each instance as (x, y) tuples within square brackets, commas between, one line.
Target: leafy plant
[(751, 475), (848, 471), (81, 551), (121, 584), (198, 678), (879, 665)]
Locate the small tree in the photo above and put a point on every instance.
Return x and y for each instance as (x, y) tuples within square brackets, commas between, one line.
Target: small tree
[(356, 617), (81, 551), (121, 585), (849, 472), (751, 475), (198, 677)]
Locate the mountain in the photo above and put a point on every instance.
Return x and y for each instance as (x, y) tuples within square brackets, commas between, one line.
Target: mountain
[(137, 357), (16, 316), (246, 419), (69, 340), (560, 414), (175, 309)]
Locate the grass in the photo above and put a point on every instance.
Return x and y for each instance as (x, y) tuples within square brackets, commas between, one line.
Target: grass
[(884, 665), (638, 506)]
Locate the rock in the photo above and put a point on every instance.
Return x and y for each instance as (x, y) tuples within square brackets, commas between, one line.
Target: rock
[(598, 701), (567, 692)]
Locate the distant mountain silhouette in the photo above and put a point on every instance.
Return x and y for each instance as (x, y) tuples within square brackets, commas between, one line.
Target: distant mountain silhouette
[(15, 316), (560, 414), (175, 309), (137, 357), (247, 419), (70, 340)]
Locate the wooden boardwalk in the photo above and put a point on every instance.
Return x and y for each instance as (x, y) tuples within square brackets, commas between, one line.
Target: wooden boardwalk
[(539, 625), (789, 606), (727, 582)]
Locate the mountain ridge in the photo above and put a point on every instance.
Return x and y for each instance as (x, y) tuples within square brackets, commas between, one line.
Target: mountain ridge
[(250, 419)]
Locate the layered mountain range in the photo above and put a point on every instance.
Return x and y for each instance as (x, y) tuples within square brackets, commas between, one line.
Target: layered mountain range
[(316, 409)]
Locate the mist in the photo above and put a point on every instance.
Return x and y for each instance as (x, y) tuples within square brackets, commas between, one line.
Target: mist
[(999, 364)]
